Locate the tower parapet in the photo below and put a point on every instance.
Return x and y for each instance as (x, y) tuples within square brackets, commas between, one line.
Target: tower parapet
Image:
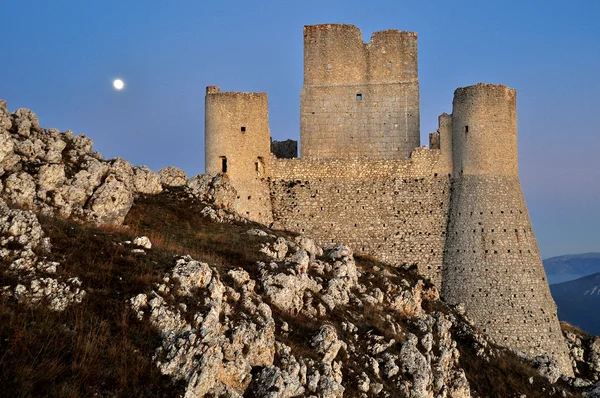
[(491, 258), (359, 99)]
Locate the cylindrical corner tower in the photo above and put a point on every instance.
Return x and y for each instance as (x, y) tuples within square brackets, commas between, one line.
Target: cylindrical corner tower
[(491, 258), (238, 144)]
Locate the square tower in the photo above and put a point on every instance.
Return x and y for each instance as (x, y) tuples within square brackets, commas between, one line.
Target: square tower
[(359, 100)]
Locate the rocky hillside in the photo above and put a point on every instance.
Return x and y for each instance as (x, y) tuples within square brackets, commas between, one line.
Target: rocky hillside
[(117, 281)]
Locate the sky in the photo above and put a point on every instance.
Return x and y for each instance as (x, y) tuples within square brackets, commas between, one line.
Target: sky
[(59, 59)]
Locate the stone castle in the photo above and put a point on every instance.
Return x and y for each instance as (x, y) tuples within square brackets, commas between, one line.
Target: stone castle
[(455, 210)]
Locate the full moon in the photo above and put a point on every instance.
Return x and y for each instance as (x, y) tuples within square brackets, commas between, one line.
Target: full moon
[(118, 84)]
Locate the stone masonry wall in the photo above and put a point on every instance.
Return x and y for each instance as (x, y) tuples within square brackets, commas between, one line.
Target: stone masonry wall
[(393, 210), (238, 143), (493, 266), (491, 261), (359, 99)]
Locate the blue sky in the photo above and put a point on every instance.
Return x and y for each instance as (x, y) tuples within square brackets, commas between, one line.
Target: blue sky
[(59, 58)]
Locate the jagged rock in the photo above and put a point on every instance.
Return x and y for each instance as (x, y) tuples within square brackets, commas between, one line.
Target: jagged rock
[(272, 382), (417, 366), (256, 232), (146, 181), (191, 275), (199, 185), (82, 144), (277, 250), (5, 119), (24, 121), (58, 295), (172, 177), (85, 182), (326, 343), (122, 171), (19, 188), (21, 236), (210, 354), (143, 242), (547, 367), (54, 146), (6, 143), (50, 178), (286, 291), (310, 246), (111, 202), (594, 392), (215, 190), (345, 277), (22, 227)]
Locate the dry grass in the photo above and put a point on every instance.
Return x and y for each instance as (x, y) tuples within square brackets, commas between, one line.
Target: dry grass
[(98, 348)]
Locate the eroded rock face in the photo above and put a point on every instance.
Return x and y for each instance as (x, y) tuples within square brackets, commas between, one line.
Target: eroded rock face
[(233, 344), (146, 181), (58, 173), (213, 352), (21, 237), (215, 190), (172, 177)]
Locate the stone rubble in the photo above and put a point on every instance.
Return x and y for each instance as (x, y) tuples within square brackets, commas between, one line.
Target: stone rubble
[(21, 238)]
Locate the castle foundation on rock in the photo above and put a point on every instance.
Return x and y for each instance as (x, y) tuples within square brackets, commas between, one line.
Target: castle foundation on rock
[(455, 210)]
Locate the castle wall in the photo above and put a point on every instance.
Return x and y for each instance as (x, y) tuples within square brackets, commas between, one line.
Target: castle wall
[(392, 209), (238, 143), (359, 99), (491, 259)]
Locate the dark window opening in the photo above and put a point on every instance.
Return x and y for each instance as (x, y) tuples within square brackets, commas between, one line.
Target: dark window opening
[(223, 164), (359, 97), (243, 129), (466, 129)]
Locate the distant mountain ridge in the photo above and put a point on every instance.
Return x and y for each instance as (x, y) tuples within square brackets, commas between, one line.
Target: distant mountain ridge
[(578, 302), (571, 266)]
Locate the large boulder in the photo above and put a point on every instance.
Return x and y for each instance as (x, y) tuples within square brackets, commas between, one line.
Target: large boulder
[(172, 176), (24, 121), (146, 181), (19, 188), (111, 202)]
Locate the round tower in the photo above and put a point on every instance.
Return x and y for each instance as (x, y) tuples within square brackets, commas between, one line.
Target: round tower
[(491, 259), (238, 144)]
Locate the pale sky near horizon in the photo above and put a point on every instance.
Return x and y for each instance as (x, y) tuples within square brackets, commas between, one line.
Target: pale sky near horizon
[(59, 58)]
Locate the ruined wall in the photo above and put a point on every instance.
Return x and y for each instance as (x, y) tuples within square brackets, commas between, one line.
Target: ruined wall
[(287, 149), (237, 142), (491, 259), (394, 209), (359, 99)]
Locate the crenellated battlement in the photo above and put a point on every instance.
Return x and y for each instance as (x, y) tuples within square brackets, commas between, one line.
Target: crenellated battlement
[(336, 54)]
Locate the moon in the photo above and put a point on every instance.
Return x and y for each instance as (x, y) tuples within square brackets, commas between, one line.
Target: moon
[(118, 84)]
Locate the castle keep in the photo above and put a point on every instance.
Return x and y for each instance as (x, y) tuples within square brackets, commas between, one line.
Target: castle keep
[(456, 210)]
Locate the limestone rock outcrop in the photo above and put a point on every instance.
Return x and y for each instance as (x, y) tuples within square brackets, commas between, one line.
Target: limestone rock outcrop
[(21, 238), (235, 342), (59, 173)]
